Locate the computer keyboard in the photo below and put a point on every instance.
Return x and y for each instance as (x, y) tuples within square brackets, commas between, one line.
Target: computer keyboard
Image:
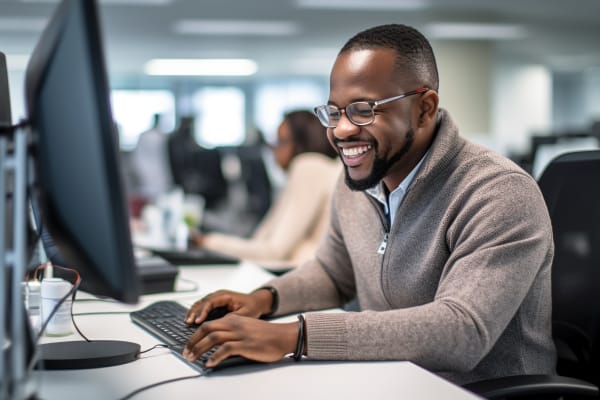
[(194, 256), (165, 320)]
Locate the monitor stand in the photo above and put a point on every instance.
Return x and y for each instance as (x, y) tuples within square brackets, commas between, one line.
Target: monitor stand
[(83, 355)]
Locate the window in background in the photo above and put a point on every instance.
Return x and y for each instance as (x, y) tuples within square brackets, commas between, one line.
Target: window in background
[(133, 112), (220, 116), (273, 100)]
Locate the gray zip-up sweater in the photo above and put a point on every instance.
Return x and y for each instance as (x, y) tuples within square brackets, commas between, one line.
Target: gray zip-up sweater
[(463, 288)]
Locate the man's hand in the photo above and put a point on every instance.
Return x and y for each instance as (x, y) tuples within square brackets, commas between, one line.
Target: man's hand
[(250, 305), (242, 336)]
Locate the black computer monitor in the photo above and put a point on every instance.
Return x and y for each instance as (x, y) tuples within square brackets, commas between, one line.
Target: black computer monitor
[(76, 153), (81, 196)]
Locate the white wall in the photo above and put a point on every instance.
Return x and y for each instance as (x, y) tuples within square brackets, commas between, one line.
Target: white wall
[(568, 101), (576, 100), (521, 104), (496, 102), (17, 94), (592, 95), (465, 69)]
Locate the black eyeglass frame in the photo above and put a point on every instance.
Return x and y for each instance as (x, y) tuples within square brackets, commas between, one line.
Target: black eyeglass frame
[(319, 110)]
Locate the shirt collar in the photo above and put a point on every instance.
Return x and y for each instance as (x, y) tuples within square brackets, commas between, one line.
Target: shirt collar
[(397, 195)]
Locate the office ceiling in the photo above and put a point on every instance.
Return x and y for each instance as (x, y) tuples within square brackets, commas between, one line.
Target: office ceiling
[(561, 34)]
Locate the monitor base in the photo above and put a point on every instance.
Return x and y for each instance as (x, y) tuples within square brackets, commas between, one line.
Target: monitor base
[(83, 355)]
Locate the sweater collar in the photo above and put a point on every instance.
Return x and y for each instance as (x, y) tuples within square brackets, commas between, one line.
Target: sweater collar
[(446, 145), (390, 203)]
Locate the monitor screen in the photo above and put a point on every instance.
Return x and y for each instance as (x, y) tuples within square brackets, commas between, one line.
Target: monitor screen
[(81, 196)]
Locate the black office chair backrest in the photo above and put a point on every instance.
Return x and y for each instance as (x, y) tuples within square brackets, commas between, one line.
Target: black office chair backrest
[(256, 180), (571, 187), (197, 170)]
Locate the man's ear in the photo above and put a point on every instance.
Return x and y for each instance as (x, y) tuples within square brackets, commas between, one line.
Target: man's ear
[(428, 105)]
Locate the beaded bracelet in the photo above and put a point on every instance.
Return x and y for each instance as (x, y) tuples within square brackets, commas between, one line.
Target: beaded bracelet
[(300, 343)]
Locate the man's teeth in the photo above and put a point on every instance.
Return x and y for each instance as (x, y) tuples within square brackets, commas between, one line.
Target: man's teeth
[(355, 151)]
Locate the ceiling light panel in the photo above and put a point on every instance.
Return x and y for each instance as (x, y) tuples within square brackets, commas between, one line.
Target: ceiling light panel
[(443, 30), (405, 5), (201, 67), (119, 2), (235, 27)]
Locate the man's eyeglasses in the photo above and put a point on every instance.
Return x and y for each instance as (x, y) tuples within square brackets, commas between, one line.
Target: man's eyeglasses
[(360, 113)]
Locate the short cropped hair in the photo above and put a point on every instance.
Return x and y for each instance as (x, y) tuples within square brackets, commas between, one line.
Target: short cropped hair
[(413, 50), (308, 135)]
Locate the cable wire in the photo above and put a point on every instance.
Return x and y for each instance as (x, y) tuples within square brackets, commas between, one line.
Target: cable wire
[(156, 346), (153, 385)]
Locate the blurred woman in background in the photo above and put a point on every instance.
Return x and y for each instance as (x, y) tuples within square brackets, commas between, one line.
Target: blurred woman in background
[(292, 228)]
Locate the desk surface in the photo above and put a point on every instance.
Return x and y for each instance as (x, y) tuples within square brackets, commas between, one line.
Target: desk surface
[(283, 380)]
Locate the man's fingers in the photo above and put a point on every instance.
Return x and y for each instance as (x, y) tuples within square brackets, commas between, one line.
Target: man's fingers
[(226, 350), (203, 340), (200, 309)]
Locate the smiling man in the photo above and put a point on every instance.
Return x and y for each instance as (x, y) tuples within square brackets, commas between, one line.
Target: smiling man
[(446, 245)]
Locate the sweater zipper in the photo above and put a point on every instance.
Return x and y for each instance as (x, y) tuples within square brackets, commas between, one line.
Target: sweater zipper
[(384, 223), (383, 245)]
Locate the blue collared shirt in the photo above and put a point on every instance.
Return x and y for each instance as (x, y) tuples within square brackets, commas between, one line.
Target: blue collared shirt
[(391, 204)]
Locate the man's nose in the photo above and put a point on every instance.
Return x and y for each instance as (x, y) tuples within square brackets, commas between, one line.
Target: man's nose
[(345, 128)]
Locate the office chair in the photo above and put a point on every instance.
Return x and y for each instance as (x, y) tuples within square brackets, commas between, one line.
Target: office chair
[(256, 180), (571, 188), (197, 170)]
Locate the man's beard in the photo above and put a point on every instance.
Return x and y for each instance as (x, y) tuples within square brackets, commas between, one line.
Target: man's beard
[(380, 165)]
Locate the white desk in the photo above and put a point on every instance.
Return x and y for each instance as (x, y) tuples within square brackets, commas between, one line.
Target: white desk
[(284, 380)]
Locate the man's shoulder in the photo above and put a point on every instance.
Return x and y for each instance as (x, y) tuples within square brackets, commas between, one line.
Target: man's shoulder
[(481, 160)]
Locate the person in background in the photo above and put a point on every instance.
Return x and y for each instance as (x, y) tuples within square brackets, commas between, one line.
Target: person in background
[(292, 228), (446, 244), (150, 163)]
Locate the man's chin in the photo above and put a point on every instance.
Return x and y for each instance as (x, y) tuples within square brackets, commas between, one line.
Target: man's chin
[(359, 184)]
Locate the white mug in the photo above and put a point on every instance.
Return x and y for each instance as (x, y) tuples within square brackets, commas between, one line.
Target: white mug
[(52, 290)]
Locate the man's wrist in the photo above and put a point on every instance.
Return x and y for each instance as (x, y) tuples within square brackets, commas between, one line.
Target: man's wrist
[(273, 305)]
